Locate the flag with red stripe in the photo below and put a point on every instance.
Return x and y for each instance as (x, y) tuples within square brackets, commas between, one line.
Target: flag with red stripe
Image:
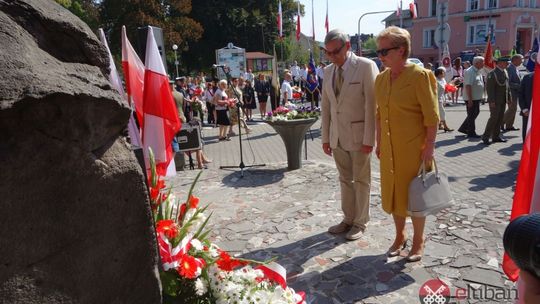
[(160, 116), (326, 24), (488, 57), (414, 10), (527, 191), (280, 20), (134, 76)]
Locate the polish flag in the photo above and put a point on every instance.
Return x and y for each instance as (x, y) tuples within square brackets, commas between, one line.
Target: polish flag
[(160, 116), (298, 24), (116, 82), (527, 192), (398, 11), (134, 75), (280, 20), (413, 9), (488, 56), (326, 24)]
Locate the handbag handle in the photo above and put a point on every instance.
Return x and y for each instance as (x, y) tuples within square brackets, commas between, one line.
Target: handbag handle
[(422, 171)]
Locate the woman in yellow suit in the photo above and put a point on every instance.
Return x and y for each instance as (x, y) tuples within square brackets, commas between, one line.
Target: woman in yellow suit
[(407, 121)]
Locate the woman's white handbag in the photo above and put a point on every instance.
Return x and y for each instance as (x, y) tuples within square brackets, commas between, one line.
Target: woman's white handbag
[(429, 192)]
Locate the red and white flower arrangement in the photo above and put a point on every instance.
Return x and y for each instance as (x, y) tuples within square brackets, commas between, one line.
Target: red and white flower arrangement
[(194, 270)]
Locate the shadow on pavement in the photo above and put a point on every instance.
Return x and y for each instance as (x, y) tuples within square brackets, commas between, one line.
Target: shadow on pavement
[(499, 180), (450, 142), (353, 280), (511, 150), (253, 177), (466, 149)]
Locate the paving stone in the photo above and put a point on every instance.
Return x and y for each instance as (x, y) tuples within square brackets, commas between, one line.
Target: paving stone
[(438, 250), (484, 276)]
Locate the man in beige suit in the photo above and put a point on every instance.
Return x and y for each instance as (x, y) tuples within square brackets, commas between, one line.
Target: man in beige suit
[(348, 128)]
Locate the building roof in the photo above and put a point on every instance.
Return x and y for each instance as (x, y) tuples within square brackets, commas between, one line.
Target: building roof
[(258, 55), (393, 17)]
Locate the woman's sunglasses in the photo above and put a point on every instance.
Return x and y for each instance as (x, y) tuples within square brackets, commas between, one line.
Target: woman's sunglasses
[(384, 52)]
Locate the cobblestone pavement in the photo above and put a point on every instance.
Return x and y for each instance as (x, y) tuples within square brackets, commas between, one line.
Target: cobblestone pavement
[(272, 212)]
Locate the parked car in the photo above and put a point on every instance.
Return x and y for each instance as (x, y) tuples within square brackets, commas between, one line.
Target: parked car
[(415, 61)]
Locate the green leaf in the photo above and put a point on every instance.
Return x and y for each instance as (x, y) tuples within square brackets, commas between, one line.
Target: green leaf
[(170, 282)]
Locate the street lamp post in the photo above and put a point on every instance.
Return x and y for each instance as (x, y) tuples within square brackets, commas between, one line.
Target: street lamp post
[(360, 19), (175, 48)]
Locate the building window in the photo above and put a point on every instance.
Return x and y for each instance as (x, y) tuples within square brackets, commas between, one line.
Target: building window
[(432, 8), (532, 3), (477, 33), (492, 4), (520, 3), (472, 5), (429, 38)]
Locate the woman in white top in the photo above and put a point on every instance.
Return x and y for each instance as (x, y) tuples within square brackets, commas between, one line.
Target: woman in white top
[(221, 100), (441, 96), (457, 77)]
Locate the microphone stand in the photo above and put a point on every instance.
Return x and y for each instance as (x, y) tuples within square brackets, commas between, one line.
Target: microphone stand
[(238, 109)]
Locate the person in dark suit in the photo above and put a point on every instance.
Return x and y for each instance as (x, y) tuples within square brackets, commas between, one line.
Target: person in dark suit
[(525, 97), (498, 91)]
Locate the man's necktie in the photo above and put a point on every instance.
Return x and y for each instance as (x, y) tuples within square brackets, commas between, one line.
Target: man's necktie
[(339, 81)]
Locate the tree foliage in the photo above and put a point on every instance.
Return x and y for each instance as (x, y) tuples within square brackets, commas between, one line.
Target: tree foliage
[(86, 10)]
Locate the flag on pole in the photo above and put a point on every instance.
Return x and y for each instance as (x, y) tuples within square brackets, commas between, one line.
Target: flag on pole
[(134, 76), (326, 24), (298, 23), (414, 9), (313, 20), (531, 62), (116, 82), (280, 20), (488, 56), (160, 116), (312, 81), (527, 192), (398, 10)]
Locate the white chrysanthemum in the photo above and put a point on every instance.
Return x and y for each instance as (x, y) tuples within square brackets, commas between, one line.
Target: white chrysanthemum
[(197, 244), (200, 287)]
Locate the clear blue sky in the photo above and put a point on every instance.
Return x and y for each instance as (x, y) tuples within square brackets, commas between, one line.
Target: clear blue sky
[(344, 14)]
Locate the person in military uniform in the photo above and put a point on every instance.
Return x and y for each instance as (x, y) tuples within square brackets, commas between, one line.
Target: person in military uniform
[(498, 92)]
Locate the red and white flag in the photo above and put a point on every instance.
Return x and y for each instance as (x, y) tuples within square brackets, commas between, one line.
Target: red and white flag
[(116, 82), (414, 10), (398, 10), (326, 23), (527, 191), (298, 24), (160, 116), (134, 75), (280, 20)]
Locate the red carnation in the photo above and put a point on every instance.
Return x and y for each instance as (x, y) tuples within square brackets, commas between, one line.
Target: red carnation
[(168, 228), (190, 267), (226, 263)]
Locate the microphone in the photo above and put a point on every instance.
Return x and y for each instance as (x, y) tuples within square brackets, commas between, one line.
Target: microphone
[(215, 66)]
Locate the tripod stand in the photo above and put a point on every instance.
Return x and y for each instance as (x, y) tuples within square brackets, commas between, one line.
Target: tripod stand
[(239, 113)]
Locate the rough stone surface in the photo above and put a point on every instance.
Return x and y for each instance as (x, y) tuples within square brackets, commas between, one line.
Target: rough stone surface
[(76, 224)]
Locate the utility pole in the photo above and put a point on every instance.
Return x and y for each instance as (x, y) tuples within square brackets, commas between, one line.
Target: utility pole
[(441, 28), (359, 33), (401, 13)]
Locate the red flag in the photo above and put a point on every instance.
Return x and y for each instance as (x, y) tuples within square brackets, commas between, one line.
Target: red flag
[(280, 21), (160, 115), (412, 8), (134, 75), (298, 24), (326, 24), (527, 192), (488, 57)]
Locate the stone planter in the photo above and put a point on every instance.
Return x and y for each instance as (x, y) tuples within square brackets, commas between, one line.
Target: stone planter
[(292, 132)]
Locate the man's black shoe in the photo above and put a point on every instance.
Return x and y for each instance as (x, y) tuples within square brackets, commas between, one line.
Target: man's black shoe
[(512, 129), (473, 136), (462, 131), (485, 141), (495, 140)]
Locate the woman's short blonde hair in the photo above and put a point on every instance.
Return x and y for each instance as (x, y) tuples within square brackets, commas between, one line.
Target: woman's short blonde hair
[(398, 37), (222, 83)]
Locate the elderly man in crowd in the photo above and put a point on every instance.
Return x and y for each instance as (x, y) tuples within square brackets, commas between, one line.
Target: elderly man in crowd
[(473, 95), (514, 82), (498, 92)]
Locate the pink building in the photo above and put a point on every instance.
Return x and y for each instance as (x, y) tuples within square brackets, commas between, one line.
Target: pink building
[(513, 22)]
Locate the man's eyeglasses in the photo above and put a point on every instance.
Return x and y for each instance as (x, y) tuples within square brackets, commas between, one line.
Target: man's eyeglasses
[(334, 53), (384, 52)]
